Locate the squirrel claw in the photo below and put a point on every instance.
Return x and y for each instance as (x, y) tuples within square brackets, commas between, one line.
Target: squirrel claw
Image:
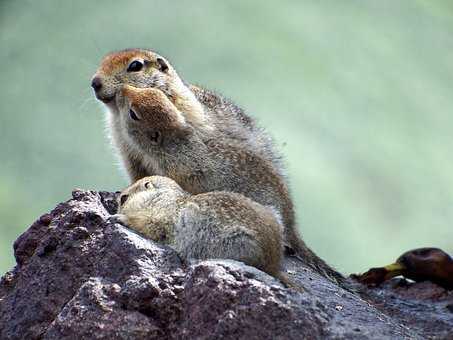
[(118, 218)]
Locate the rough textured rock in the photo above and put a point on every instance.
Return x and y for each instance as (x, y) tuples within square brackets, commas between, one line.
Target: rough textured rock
[(79, 276)]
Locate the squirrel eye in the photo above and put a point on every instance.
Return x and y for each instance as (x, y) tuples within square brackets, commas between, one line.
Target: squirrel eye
[(135, 66), (123, 199), (147, 185), (133, 115), (155, 137)]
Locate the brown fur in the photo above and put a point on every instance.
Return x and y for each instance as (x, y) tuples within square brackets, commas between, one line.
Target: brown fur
[(215, 223), (210, 144)]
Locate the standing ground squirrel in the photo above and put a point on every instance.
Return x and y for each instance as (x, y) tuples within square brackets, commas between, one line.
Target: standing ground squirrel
[(162, 126), (216, 224)]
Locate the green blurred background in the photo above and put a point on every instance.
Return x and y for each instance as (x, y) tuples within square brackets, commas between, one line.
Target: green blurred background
[(358, 95)]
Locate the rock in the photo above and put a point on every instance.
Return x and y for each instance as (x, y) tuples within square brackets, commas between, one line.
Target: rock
[(79, 276)]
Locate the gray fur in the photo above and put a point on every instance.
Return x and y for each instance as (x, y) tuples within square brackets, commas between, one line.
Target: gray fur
[(215, 147), (215, 225)]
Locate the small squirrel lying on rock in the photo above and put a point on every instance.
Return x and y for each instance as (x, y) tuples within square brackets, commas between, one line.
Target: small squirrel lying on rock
[(216, 224)]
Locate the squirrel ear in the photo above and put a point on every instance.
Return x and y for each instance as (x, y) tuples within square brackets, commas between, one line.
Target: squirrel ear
[(162, 65), (123, 199)]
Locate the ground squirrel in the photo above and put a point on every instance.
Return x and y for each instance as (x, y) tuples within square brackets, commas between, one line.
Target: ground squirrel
[(216, 224), (163, 126)]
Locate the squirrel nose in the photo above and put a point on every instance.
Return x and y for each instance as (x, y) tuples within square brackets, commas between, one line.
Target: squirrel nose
[(96, 84)]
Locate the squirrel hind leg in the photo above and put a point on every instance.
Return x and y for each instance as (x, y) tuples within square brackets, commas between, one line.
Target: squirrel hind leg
[(198, 235), (240, 247)]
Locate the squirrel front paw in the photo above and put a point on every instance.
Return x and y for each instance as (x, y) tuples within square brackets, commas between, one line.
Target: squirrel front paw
[(119, 218), (147, 96)]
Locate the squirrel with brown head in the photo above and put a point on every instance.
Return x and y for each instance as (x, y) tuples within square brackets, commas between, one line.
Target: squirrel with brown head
[(161, 126)]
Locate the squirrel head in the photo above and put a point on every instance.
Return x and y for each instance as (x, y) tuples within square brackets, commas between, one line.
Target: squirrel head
[(146, 69), (150, 118), (136, 67), (150, 190)]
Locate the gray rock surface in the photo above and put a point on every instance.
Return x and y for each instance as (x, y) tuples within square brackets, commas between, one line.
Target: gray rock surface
[(79, 276)]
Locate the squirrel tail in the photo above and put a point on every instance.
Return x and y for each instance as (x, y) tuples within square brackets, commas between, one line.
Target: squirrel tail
[(288, 283), (299, 249)]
